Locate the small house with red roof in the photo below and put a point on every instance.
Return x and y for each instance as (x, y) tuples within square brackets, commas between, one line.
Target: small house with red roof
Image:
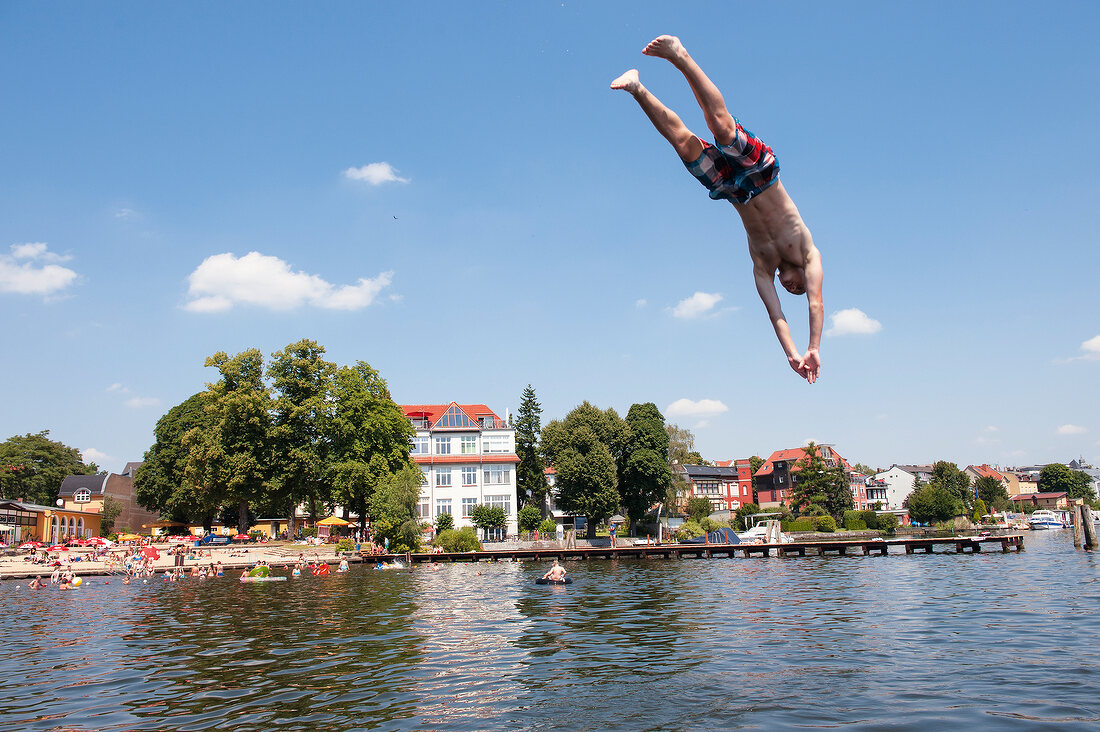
[(467, 455), (727, 484), (986, 471)]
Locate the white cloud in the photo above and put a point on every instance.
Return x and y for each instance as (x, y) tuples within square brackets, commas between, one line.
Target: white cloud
[(990, 428), (701, 408), (92, 455), (125, 213), (31, 269), (1071, 429), (852, 321), (119, 388), (640, 303), (698, 304), (375, 173), (223, 280), (141, 402)]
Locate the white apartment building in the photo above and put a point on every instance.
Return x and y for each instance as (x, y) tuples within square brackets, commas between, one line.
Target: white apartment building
[(899, 482), (468, 456)]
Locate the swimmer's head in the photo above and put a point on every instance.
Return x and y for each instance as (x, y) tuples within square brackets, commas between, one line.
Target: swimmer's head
[(793, 279)]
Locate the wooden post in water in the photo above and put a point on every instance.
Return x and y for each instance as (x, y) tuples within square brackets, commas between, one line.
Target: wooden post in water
[(1078, 527), (1088, 528)]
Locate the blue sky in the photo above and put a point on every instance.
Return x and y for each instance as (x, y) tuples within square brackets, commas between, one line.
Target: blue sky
[(451, 192)]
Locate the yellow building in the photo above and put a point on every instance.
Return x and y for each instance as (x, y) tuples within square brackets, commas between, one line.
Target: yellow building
[(50, 524)]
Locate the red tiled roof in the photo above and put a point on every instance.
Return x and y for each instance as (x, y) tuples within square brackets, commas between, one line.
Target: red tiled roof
[(1039, 496), (550, 471), (793, 455), (986, 472), (433, 412)]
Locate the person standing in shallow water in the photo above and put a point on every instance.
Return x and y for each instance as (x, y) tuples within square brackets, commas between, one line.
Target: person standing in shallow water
[(743, 170)]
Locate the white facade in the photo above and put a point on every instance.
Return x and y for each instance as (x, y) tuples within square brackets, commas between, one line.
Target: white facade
[(899, 483), (468, 458)]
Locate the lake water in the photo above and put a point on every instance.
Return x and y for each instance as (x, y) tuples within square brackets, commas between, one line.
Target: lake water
[(908, 642)]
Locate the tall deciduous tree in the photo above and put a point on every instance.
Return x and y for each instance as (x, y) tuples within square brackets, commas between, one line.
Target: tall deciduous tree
[(947, 475), (160, 483), (530, 475), (229, 461), (302, 379), (681, 446), (644, 474), (755, 463), (393, 510), (32, 467), (817, 484), (584, 449), (991, 491), (1058, 478), (370, 436), (931, 502)]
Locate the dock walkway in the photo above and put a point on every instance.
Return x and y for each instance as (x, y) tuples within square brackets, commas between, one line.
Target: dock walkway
[(864, 546)]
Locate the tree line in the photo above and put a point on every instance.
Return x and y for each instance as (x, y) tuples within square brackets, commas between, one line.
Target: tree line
[(264, 439)]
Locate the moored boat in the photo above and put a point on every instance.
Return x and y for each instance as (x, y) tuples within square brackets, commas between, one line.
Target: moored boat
[(1044, 519)]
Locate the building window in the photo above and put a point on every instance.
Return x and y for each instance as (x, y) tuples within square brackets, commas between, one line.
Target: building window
[(707, 487), (497, 533), (469, 475), (82, 496), (496, 474), (469, 445), (442, 506), (443, 446), (443, 478), (504, 502), (455, 417), (424, 508), (420, 445), (498, 444), (423, 476), (467, 506)]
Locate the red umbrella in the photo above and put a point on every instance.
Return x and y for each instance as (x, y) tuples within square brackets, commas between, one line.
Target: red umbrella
[(150, 552), (100, 541), (58, 548), (31, 545), (241, 537)]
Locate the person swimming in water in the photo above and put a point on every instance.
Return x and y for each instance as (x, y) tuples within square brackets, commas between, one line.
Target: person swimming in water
[(556, 573)]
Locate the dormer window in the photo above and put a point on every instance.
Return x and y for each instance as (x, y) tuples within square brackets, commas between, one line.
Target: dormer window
[(82, 496)]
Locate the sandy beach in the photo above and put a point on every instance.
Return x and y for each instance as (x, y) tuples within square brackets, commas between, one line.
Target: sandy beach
[(236, 556)]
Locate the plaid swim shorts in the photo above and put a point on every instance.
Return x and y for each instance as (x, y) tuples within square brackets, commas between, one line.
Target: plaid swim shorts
[(738, 171)]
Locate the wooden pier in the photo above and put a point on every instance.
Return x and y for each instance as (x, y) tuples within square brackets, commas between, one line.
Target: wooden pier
[(927, 545)]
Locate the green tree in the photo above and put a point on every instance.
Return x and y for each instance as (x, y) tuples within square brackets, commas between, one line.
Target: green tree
[(818, 487), (1058, 478), (992, 492), (681, 446), (488, 517), (931, 502), (300, 439), (755, 463), (444, 522), (229, 461), (393, 510), (530, 472), (585, 448), (947, 475), (460, 540), (32, 467), (980, 510), (742, 514), (369, 436), (644, 473), (529, 518), (160, 483), (699, 508), (111, 510)]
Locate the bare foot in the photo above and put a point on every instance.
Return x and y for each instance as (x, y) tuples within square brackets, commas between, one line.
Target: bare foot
[(668, 47), (628, 82)]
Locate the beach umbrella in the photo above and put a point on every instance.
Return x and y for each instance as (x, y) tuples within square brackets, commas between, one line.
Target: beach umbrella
[(58, 548), (30, 545), (150, 552), (3, 545), (129, 537), (100, 541), (241, 537)]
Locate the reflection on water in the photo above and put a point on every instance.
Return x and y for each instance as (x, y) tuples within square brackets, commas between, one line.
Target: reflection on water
[(987, 640)]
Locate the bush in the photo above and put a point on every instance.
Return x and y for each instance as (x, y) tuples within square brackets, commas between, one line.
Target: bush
[(309, 532), (458, 540), (887, 522), (710, 525), (699, 508), (742, 513), (548, 526), (689, 530), (824, 524), (854, 525), (345, 545), (111, 537), (444, 522), (802, 524), (529, 517)]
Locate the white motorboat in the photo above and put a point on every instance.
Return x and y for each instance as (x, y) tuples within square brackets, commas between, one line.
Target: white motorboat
[(1044, 519)]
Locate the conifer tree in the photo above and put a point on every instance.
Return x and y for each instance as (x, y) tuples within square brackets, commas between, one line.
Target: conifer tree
[(530, 475)]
